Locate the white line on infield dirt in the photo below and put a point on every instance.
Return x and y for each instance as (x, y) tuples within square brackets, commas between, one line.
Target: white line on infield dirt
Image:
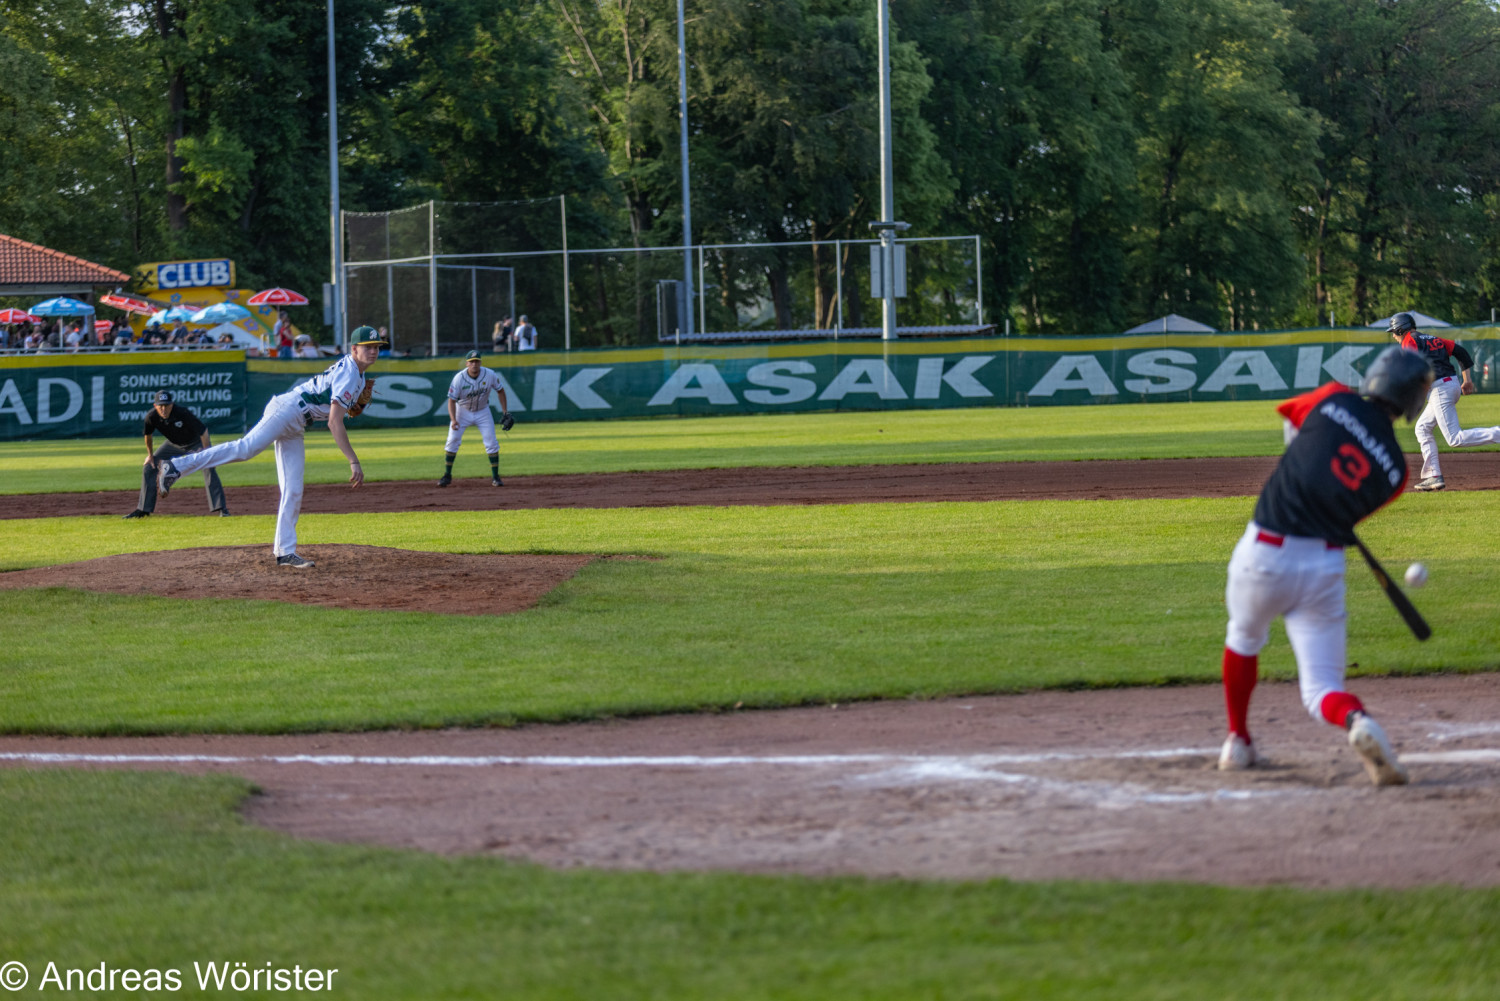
[(588, 761)]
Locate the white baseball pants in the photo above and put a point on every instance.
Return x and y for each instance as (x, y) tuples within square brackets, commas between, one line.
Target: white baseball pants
[(1442, 412), (1301, 580), (281, 425), (484, 420)]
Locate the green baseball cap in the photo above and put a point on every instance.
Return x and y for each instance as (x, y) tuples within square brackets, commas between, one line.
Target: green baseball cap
[(472, 356), (367, 335)]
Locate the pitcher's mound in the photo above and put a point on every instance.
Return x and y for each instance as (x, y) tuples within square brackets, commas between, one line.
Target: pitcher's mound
[(344, 577)]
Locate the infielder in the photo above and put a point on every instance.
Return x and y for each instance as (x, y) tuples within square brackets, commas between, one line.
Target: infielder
[(342, 389), (1343, 465), (469, 406), (1442, 404)]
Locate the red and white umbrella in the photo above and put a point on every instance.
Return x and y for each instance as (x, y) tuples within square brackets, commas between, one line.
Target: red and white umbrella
[(128, 304), (17, 316), (277, 297), (104, 325)]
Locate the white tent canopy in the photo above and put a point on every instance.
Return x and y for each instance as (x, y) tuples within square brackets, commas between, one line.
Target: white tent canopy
[(1423, 320), (1171, 323)]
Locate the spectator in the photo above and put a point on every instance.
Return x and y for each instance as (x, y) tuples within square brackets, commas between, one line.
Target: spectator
[(303, 347), (103, 337), (32, 341), (283, 333), (502, 336), (226, 338), (525, 335), (73, 338), (179, 334)]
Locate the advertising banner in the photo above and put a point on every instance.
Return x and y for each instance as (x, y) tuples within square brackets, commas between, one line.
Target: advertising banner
[(899, 375), (107, 395), (54, 396)]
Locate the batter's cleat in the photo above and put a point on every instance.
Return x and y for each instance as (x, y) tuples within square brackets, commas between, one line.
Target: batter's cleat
[(293, 560), (222, 512), (495, 482), (1430, 483), (166, 476), (1237, 754), (137, 513), (1374, 747), (445, 480)]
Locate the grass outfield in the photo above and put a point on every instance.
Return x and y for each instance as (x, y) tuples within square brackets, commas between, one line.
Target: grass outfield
[(157, 872), (766, 606), (1141, 431)]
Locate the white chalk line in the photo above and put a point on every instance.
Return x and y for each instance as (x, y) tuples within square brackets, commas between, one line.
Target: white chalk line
[(595, 761)]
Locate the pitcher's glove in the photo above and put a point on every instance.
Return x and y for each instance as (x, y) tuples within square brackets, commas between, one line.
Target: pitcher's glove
[(507, 421), (364, 397)]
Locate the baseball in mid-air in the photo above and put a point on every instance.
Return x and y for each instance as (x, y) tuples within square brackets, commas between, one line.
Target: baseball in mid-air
[(1416, 575)]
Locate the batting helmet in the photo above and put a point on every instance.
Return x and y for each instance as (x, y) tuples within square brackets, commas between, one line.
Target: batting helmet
[(1401, 324), (1400, 379)]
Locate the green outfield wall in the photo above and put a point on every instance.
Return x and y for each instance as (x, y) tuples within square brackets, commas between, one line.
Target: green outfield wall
[(108, 395), (40, 398)]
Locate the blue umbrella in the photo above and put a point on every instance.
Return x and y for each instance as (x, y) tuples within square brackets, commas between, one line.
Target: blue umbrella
[(220, 312), (61, 306), (171, 315)]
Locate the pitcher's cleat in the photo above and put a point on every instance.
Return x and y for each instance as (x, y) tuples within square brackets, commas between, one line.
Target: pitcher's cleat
[(166, 476), (293, 560), (445, 480), (1368, 738), (495, 482), (1237, 754), (1430, 483), (137, 513)]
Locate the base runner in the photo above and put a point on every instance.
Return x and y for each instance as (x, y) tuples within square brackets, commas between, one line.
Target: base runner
[(342, 389), (1343, 465), (1441, 411), (469, 406)]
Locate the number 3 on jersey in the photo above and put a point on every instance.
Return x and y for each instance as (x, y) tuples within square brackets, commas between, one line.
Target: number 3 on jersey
[(1350, 465)]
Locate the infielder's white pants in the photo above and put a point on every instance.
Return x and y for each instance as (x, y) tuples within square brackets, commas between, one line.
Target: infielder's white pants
[(484, 420), (281, 425), (1301, 580), (1442, 412)]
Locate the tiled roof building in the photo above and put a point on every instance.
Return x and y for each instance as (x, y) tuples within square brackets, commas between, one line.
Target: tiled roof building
[(27, 269)]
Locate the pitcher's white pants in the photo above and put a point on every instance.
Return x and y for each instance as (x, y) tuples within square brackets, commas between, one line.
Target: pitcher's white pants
[(281, 425), (1442, 412), (1301, 580), (484, 420)]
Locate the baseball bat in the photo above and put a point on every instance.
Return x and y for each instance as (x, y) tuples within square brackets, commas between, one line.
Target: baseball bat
[(1413, 618)]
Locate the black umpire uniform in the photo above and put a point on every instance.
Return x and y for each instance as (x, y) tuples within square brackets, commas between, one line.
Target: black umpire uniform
[(184, 433)]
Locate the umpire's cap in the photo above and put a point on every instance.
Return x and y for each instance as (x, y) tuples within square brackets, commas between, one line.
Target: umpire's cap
[(1401, 323), (163, 397), (1400, 379), (472, 356), (368, 335)]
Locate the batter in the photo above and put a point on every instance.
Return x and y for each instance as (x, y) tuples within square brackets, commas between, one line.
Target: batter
[(1442, 404), (469, 406), (325, 397), (1343, 465)]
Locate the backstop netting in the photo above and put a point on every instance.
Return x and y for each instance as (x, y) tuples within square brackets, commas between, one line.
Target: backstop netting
[(441, 275)]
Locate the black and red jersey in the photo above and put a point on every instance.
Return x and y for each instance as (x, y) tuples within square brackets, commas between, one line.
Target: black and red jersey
[(1437, 351), (1342, 466)]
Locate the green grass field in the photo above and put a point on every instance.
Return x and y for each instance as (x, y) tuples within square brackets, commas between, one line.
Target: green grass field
[(765, 606), (1146, 431)]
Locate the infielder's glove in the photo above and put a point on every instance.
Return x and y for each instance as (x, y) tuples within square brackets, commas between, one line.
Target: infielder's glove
[(364, 397), (507, 421)]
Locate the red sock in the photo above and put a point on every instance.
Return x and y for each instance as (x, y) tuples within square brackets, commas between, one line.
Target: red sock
[(1240, 675), (1336, 707)]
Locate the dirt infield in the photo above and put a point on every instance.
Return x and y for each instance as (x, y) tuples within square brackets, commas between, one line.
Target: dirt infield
[(976, 481), (345, 576), (1115, 785), (1086, 785)]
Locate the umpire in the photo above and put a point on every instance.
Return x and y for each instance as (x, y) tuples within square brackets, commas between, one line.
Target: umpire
[(184, 433)]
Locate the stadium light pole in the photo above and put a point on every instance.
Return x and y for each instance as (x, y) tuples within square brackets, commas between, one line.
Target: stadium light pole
[(685, 321), (888, 226), (335, 224)]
